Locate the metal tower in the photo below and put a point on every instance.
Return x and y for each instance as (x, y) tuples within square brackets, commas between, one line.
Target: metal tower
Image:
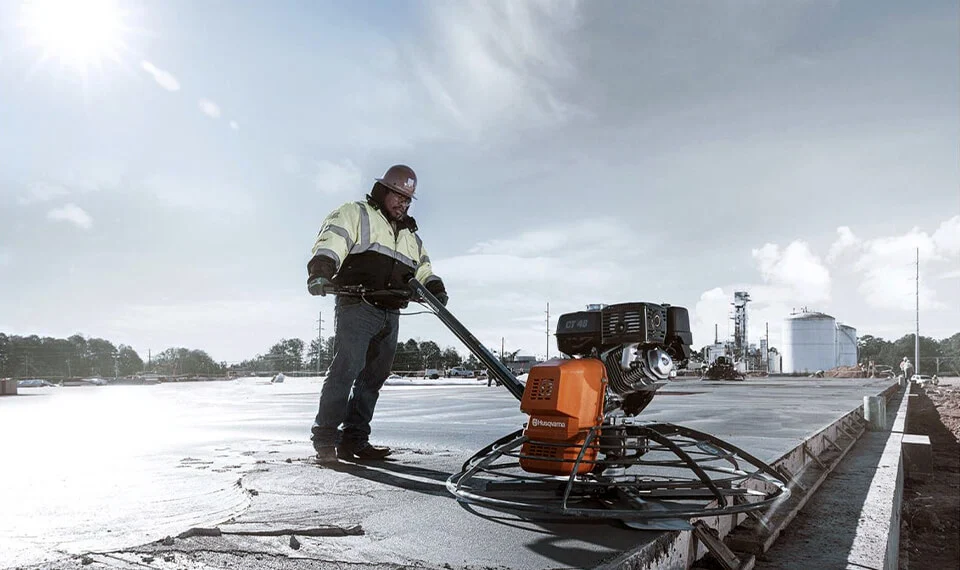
[(740, 344)]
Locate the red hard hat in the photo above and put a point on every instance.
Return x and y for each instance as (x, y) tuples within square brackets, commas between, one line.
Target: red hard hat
[(400, 178)]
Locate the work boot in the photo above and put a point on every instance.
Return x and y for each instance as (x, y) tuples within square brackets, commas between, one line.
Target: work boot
[(326, 451), (363, 451)]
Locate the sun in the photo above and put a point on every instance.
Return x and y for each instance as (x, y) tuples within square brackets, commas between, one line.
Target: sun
[(81, 34)]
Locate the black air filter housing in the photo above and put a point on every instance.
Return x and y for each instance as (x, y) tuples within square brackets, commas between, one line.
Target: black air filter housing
[(678, 325), (679, 337), (580, 333)]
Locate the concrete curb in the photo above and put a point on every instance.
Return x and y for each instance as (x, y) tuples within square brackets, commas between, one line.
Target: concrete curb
[(880, 520)]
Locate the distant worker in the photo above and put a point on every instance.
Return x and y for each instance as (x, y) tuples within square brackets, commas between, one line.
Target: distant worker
[(906, 367), (373, 244)]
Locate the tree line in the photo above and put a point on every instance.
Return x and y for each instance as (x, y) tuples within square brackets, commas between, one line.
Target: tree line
[(944, 353), (293, 354), (81, 357)]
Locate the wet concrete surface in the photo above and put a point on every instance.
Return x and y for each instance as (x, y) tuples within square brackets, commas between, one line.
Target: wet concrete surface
[(102, 474)]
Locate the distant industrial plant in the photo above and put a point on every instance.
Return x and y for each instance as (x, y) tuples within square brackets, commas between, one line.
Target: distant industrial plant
[(811, 342)]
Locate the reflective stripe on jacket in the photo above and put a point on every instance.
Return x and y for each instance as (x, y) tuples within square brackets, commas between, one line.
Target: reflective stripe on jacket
[(365, 250)]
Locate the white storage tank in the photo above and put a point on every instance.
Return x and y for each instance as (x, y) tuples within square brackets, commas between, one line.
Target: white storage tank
[(846, 345), (809, 343), (773, 362)]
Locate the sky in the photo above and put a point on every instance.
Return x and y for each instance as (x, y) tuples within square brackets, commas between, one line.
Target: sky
[(165, 166)]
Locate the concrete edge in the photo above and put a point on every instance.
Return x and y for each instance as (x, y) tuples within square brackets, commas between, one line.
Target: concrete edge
[(678, 549), (880, 518)]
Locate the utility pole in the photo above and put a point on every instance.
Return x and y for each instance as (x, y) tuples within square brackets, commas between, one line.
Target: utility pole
[(501, 349), (766, 357), (548, 330), (319, 339), (916, 341)]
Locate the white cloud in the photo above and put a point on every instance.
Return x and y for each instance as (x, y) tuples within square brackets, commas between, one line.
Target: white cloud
[(338, 178), (498, 61), (885, 267), (209, 108), (73, 214), (710, 317), (947, 237), (845, 242), (164, 78), (235, 125), (795, 268), (888, 271)]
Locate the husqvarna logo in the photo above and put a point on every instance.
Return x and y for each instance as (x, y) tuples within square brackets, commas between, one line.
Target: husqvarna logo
[(537, 422)]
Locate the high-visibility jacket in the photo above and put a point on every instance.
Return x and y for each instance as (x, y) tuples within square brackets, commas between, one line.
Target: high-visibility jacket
[(357, 245)]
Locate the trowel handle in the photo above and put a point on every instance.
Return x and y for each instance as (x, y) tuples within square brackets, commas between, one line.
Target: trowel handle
[(497, 368)]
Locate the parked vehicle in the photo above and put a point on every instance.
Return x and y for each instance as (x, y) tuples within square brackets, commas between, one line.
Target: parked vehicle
[(925, 379), (431, 373), (460, 372), (34, 383)]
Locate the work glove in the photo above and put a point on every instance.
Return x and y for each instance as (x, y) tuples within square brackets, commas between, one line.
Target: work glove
[(439, 291), (317, 285)]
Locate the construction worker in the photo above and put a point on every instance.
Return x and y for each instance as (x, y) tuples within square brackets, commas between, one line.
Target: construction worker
[(374, 244), (906, 367)]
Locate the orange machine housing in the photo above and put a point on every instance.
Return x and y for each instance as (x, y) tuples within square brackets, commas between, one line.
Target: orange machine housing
[(564, 399)]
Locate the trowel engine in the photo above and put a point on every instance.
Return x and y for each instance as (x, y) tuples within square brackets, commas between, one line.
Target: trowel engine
[(618, 356)]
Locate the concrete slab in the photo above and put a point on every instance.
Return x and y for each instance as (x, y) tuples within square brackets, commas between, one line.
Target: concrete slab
[(399, 511)]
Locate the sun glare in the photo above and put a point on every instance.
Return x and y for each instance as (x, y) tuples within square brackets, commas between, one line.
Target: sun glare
[(80, 34)]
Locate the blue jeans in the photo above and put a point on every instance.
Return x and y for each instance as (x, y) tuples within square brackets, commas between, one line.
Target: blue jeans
[(365, 341)]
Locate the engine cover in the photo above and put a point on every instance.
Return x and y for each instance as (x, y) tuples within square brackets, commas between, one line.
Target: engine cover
[(564, 399)]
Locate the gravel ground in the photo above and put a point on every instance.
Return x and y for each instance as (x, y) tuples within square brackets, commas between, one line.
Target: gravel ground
[(930, 525)]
